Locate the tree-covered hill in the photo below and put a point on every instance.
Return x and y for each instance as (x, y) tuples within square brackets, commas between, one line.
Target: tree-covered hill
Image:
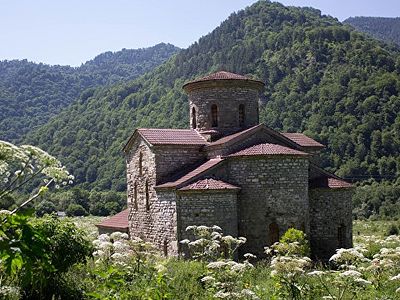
[(385, 29), (31, 93), (322, 78)]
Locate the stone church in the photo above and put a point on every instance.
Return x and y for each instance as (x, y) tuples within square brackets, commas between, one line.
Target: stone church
[(229, 170)]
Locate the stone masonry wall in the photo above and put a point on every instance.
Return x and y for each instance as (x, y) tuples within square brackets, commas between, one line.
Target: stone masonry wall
[(207, 208), (154, 219), (274, 190), (329, 209), (170, 159), (228, 101)]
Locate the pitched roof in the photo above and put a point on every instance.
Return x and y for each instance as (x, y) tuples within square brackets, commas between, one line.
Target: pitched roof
[(117, 222), (181, 179), (235, 136), (158, 136), (320, 178), (268, 149), (209, 184), (329, 182), (296, 140), (302, 140), (172, 136)]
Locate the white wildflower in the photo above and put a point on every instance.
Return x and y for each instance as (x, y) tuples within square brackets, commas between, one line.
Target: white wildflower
[(362, 281), (223, 295), (216, 264), (103, 237), (116, 235), (350, 273), (397, 277), (105, 245), (161, 269), (316, 273), (98, 253), (207, 279), (117, 256), (249, 256), (192, 227), (215, 227)]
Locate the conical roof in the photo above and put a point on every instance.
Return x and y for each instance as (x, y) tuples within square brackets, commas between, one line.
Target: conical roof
[(223, 76)]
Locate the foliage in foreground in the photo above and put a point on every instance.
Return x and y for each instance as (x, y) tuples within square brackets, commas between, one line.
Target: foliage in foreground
[(131, 269), (36, 253)]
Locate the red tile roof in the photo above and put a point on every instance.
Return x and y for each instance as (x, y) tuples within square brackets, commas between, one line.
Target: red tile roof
[(235, 136), (192, 174), (302, 139), (268, 149), (117, 222), (172, 136), (224, 75), (329, 182), (338, 183), (209, 184)]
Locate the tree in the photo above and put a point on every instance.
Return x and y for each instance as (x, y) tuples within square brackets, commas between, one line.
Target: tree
[(45, 207)]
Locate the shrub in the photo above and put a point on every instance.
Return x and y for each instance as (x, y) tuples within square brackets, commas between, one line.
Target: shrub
[(392, 230), (45, 207), (36, 253), (293, 242), (76, 210)]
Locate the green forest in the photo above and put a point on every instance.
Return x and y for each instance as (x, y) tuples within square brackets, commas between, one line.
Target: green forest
[(324, 78), (386, 29), (31, 93)]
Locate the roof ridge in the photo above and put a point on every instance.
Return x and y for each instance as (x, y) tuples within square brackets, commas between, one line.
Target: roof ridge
[(267, 149), (200, 169)]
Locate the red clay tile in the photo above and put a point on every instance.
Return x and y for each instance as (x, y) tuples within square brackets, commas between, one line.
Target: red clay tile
[(329, 182), (118, 221), (302, 139), (268, 149), (223, 75), (192, 174), (209, 184), (172, 136)]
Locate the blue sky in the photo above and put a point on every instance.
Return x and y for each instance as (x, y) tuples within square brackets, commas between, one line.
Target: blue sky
[(73, 31)]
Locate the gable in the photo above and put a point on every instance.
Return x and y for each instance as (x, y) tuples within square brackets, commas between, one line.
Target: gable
[(160, 137), (257, 135)]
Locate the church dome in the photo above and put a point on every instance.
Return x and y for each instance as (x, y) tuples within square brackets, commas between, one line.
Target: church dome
[(222, 103), (224, 78)]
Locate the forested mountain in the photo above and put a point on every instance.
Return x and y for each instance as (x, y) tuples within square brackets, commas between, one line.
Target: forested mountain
[(322, 78), (385, 29), (31, 93)]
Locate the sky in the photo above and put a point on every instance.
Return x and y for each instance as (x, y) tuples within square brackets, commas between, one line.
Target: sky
[(70, 32)]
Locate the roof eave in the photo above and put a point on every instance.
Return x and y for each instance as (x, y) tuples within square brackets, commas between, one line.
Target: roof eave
[(132, 139)]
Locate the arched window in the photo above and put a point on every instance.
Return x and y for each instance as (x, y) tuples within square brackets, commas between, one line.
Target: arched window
[(194, 121), (147, 196), (214, 115), (135, 199), (273, 233), (140, 163), (241, 115), (341, 236)]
